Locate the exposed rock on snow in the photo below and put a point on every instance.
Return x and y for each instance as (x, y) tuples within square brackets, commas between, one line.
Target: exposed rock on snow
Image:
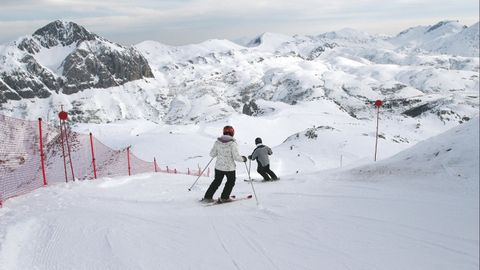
[(65, 57)]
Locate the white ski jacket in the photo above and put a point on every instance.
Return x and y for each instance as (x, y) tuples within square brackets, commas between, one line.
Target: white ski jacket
[(225, 150)]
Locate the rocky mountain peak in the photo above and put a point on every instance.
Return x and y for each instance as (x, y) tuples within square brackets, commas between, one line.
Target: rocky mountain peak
[(62, 33), (65, 57), (452, 24)]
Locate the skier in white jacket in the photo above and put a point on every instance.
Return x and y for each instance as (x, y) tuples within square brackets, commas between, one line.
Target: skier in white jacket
[(225, 150)]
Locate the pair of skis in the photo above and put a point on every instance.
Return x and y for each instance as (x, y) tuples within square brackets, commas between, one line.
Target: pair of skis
[(233, 198), (260, 180)]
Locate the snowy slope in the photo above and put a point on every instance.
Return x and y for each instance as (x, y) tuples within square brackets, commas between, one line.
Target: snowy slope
[(407, 212), (447, 161), (289, 84), (340, 137), (464, 43)]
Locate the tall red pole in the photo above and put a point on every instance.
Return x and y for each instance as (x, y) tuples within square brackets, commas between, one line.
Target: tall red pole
[(93, 157), (63, 153), (376, 136), (128, 158), (42, 156), (63, 116)]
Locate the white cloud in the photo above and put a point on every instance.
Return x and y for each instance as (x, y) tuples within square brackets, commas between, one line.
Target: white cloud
[(125, 20)]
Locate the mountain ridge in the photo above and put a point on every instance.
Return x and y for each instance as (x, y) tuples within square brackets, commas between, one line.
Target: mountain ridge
[(211, 80)]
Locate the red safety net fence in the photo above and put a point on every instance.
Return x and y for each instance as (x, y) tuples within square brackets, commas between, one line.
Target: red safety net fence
[(33, 154)]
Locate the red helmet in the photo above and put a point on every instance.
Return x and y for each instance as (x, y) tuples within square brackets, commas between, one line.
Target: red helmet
[(228, 130)]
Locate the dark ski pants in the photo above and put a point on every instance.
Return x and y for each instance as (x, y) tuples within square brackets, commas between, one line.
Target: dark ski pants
[(266, 173), (218, 181)]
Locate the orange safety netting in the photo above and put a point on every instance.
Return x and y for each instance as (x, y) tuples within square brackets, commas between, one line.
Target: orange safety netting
[(67, 157)]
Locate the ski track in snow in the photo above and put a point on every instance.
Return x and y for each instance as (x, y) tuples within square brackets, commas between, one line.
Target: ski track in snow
[(99, 225), (375, 217), (224, 247)]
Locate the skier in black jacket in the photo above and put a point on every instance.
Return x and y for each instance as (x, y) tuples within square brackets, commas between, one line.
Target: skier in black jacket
[(261, 154)]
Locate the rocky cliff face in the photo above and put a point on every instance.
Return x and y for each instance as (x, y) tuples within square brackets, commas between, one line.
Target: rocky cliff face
[(82, 60), (60, 33)]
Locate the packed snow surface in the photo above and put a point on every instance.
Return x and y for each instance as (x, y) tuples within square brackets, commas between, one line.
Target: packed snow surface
[(418, 209)]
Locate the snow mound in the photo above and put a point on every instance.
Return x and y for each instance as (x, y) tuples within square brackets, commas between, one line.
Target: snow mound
[(449, 158)]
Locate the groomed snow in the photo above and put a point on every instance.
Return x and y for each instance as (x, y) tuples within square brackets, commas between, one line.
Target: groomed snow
[(378, 216)]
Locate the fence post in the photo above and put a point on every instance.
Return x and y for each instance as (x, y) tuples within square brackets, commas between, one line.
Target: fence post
[(174, 170), (42, 156), (128, 158), (168, 170), (63, 153), (93, 157), (155, 164), (188, 172), (378, 104), (69, 150)]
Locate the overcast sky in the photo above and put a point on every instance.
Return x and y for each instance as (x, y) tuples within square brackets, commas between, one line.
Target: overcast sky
[(177, 22)]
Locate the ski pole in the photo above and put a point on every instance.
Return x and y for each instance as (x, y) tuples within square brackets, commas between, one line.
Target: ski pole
[(251, 183), (200, 175)]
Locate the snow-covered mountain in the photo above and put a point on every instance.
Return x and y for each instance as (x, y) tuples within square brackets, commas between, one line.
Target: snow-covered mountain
[(445, 37), (64, 58), (419, 72)]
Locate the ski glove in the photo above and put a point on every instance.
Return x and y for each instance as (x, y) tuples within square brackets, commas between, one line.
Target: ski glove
[(244, 159), (250, 157)]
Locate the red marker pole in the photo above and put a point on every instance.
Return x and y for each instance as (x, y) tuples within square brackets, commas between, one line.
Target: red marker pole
[(42, 155), (63, 152), (69, 149), (63, 116), (93, 157), (378, 104), (128, 160)]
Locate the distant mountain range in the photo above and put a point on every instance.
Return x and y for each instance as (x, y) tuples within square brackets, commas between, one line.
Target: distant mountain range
[(422, 70)]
